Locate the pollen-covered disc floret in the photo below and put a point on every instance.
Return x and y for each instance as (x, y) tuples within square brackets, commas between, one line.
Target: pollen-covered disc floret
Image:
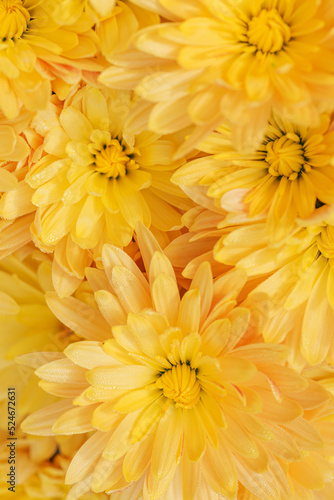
[(180, 384), (14, 18), (179, 392), (267, 32), (287, 177)]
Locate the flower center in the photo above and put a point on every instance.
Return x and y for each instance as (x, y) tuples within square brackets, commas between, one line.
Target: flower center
[(325, 242), (14, 18), (268, 32), (285, 157), (110, 156), (180, 384)]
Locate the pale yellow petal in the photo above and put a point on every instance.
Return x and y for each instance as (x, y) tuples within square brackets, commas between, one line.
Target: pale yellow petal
[(125, 377), (79, 317)]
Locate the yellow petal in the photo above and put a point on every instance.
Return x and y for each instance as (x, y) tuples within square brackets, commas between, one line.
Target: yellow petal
[(8, 181), (110, 307), (113, 256), (169, 431), (85, 459), (236, 370), (8, 305), (41, 421), (215, 336), (125, 377), (219, 470), (95, 109), (75, 421), (75, 124), (145, 335), (79, 317), (136, 400), (147, 419), (120, 442), (137, 459), (194, 435), (189, 312), (88, 354), (62, 371), (166, 297), (129, 290)]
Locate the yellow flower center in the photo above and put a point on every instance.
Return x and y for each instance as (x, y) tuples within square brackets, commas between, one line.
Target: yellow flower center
[(110, 156), (180, 384), (325, 242), (14, 18), (268, 32), (286, 157)]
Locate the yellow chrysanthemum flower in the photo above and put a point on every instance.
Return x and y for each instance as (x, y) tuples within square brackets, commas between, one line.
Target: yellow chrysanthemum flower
[(300, 282), (313, 472), (289, 174), (115, 21), (34, 50), (98, 179), (40, 467), (181, 398), (230, 60)]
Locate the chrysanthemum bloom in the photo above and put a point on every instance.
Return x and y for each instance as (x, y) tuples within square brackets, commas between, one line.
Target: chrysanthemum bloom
[(97, 180), (300, 282), (312, 476), (115, 21), (40, 467), (230, 60), (178, 394), (34, 50), (288, 175)]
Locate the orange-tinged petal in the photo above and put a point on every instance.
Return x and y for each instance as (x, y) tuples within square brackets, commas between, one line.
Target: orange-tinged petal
[(236, 370), (286, 411)]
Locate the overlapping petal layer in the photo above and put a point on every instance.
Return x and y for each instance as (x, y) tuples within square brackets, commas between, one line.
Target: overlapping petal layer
[(178, 385), (224, 60)]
